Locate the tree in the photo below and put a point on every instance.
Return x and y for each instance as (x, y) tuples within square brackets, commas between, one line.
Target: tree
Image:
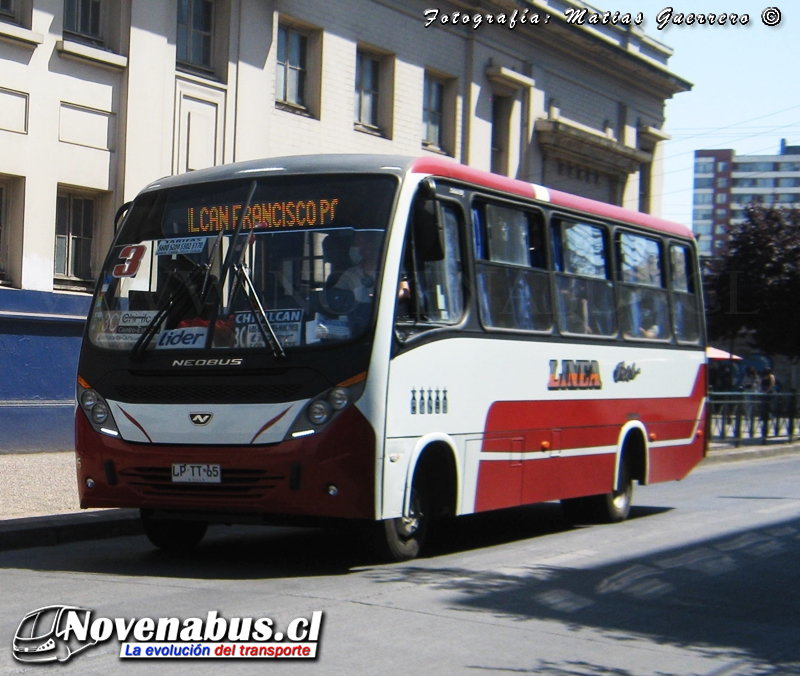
[(755, 285)]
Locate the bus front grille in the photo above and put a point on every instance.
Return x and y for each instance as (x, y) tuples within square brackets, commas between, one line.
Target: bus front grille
[(247, 484), (220, 393)]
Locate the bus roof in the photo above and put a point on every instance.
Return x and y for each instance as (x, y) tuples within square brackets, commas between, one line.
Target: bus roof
[(451, 169), (435, 166)]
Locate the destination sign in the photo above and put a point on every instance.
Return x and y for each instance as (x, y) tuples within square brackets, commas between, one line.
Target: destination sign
[(300, 213)]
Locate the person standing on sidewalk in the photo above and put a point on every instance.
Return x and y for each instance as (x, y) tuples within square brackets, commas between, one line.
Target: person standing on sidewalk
[(750, 387)]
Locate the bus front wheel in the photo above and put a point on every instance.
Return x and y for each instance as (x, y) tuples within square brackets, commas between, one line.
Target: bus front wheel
[(173, 535), (404, 536)]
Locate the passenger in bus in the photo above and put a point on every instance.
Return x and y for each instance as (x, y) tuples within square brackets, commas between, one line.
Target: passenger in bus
[(575, 306), (644, 320), (350, 287)]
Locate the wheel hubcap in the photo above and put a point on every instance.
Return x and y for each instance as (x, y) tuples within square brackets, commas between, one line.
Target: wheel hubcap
[(407, 526), (620, 499)]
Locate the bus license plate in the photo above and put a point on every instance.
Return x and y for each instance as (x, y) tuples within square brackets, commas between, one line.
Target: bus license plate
[(196, 473)]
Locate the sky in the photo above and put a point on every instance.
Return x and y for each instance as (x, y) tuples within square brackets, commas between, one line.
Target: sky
[(745, 92)]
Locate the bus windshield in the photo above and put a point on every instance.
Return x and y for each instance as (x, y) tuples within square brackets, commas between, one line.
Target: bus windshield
[(272, 263)]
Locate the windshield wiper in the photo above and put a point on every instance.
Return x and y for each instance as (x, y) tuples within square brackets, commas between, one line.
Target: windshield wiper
[(176, 303), (262, 321)]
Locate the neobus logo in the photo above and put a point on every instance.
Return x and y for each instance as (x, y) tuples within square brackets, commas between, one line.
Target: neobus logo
[(207, 362)]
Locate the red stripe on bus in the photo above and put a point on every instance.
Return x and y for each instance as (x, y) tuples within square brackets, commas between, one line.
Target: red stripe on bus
[(551, 426), (586, 423)]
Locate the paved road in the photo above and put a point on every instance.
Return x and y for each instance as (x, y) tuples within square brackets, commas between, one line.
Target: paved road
[(704, 579)]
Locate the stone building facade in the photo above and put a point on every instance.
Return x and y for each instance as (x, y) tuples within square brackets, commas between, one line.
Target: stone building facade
[(100, 97)]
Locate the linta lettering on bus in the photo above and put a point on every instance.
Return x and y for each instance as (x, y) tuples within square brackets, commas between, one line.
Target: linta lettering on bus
[(262, 215), (576, 374)]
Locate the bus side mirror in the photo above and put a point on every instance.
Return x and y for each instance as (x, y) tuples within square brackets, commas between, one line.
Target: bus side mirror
[(428, 232)]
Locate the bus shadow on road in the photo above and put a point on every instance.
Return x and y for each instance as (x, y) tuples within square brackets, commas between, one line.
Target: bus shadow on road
[(733, 599), (268, 552)]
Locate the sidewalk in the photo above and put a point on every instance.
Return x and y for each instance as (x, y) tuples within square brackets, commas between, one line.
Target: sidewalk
[(39, 498)]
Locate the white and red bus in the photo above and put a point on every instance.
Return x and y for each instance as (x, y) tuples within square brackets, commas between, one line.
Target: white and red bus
[(384, 339)]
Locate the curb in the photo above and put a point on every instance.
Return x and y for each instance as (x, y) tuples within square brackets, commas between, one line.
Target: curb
[(59, 529), (732, 454)]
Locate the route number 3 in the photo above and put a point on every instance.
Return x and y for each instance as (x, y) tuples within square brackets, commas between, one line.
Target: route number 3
[(132, 255)]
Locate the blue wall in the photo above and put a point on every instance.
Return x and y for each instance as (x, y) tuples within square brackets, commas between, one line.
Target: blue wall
[(40, 337)]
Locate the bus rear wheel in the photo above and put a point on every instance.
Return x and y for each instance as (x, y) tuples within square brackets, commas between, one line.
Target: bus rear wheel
[(173, 535), (615, 506), (611, 507), (403, 537)]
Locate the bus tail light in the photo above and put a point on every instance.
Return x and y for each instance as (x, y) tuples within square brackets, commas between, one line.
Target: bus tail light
[(96, 409)]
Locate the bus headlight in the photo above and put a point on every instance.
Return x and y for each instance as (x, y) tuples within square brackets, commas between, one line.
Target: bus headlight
[(88, 399), (96, 409), (319, 411), (322, 409), (99, 413), (339, 398)]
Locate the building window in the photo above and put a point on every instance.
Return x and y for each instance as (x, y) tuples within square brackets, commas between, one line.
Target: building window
[(722, 167), (501, 133), (196, 33), (703, 198), (74, 229), (8, 10), (82, 19), (292, 68), (704, 166), (755, 166), (433, 112), (721, 198), (368, 69)]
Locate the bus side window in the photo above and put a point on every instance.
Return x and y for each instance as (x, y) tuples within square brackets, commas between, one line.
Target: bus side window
[(513, 285), (684, 298), (644, 301), (432, 291), (584, 291)]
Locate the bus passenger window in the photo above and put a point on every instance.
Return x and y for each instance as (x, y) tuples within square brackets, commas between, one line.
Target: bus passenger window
[(684, 300), (585, 294), (645, 306), (513, 285)]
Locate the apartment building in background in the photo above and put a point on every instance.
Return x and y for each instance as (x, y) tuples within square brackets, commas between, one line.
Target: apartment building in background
[(725, 183), (98, 98)]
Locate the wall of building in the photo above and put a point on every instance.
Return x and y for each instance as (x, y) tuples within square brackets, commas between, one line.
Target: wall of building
[(94, 121)]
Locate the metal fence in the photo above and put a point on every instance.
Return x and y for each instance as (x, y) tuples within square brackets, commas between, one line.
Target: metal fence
[(749, 417)]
